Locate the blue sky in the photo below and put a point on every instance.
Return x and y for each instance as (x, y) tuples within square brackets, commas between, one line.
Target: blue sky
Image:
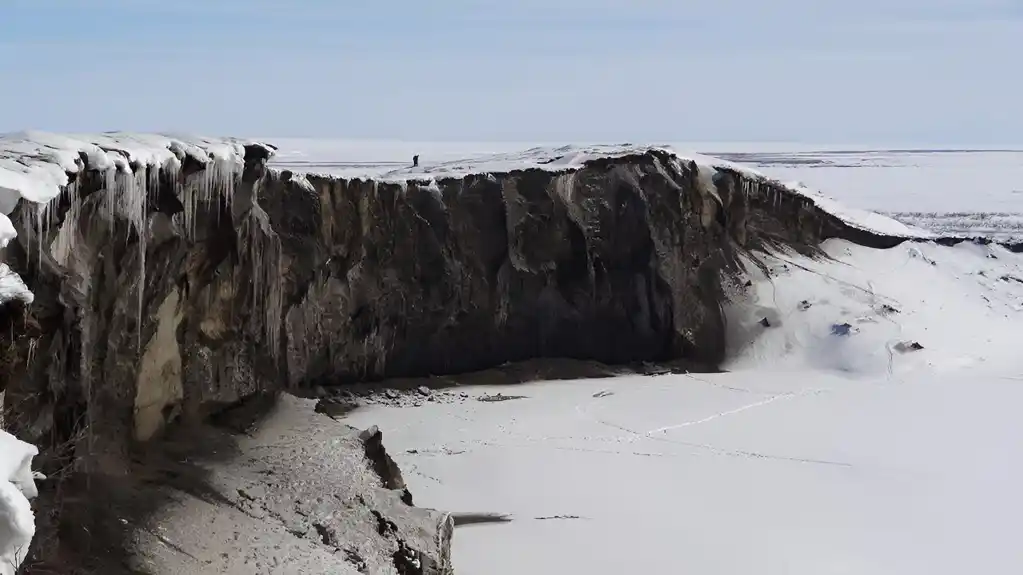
[(911, 72)]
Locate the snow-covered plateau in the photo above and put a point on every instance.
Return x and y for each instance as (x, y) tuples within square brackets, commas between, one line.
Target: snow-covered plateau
[(863, 419)]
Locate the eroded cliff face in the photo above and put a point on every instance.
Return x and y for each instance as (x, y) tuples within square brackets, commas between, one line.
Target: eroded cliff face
[(214, 291), (288, 281), (621, 261)]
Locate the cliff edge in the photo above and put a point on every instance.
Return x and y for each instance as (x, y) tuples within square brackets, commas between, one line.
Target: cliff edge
[(162, 280)]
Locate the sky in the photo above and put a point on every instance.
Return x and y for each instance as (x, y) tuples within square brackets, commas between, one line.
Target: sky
[(908, 72)]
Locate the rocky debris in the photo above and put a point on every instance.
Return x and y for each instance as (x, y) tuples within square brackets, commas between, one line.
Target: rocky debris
[(340, 401), (344, 401), (498, 397)]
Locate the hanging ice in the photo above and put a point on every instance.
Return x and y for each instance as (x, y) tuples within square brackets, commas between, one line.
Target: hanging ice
[(35, 166)]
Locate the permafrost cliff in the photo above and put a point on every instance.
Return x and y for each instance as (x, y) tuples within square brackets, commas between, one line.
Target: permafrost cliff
[(173, 284)]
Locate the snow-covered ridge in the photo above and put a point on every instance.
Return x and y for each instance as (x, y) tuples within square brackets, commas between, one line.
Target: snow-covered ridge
[(568, 158), (35, 166)]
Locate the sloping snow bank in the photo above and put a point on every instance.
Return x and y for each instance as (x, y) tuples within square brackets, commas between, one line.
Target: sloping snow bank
[(346, 159), (854, 313), (17, 486)]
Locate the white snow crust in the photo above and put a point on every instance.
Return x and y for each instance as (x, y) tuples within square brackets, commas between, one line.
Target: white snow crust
[(34, 165), (17, 487), (822, 450), (343, 160)]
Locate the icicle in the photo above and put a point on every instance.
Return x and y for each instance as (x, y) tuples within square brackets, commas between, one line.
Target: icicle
[(109, 195), (31, 233), (139, 200), (42, 227), (67, 233), (265, 256)]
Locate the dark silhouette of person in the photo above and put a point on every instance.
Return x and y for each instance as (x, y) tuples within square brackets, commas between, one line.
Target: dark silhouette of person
[(415, 160)]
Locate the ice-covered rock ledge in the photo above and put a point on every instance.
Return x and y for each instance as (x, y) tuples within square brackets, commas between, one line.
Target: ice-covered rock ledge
[(171, 277)]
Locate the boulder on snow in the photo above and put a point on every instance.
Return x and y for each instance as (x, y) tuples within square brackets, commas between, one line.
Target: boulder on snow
[(907, 346), (841, 329)]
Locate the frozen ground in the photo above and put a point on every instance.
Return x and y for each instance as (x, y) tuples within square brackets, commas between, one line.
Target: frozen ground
[(952, 192), (832, 447)]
